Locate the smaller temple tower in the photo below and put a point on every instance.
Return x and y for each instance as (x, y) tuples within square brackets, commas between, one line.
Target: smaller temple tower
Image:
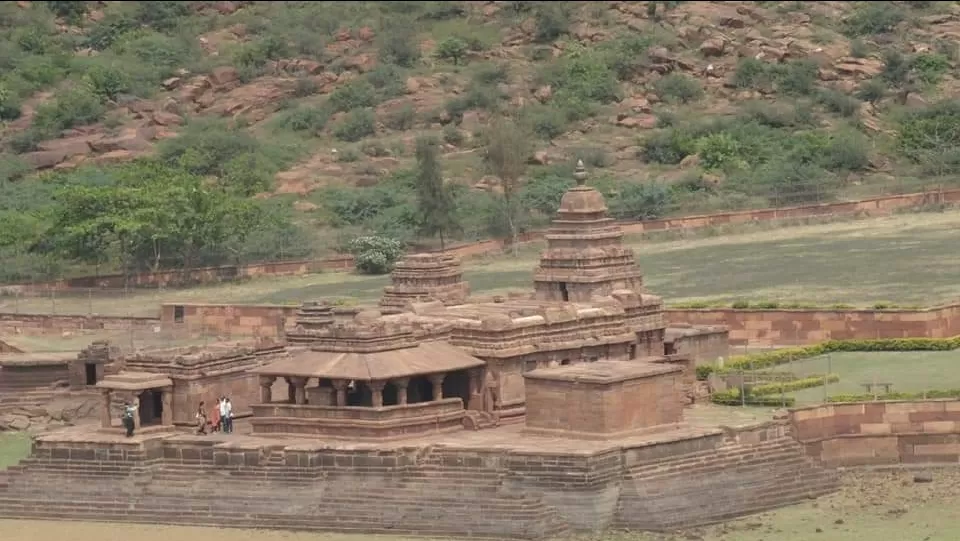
[(585, 256), (425, 278)]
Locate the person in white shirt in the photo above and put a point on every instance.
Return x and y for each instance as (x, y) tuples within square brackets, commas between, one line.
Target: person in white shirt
[(228, 415), (222, 406)]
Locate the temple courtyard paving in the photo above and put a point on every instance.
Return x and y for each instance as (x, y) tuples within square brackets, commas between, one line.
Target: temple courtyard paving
[(880, 506), (907, 259)]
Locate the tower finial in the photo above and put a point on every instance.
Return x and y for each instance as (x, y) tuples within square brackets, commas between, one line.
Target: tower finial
[(580, 174)]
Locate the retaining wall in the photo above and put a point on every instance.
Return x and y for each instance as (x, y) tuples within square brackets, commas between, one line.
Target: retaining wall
[(801, 327), (56, 324), (462, 491), (880, 433)]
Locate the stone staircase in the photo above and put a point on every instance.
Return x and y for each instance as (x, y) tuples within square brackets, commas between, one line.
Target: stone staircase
[(719, 484), (429, 498)]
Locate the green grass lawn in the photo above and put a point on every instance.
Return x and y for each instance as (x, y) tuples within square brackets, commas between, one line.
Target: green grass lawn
[(908, 259), (14, 447), (908, 371)]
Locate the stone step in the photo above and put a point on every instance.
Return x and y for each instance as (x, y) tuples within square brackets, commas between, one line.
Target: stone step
[(688, 468), (281, 523), (720, 511), (720, 453), (776, 481)]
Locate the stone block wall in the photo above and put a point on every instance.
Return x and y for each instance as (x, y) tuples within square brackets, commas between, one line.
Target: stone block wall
[(38, 324), (702, 344), (881, 433), (267, 321), (243, 390), (801, 327), (415, 489)]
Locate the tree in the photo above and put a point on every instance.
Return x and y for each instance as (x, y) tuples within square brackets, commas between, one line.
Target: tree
[(507, 150), (453, 49), (434, 198), (149, 214)]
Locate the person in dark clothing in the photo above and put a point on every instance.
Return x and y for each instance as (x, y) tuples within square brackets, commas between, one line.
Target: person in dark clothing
[(128, 412)]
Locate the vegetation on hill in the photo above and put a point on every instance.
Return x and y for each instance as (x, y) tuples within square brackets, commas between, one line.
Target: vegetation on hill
[(129, 128)]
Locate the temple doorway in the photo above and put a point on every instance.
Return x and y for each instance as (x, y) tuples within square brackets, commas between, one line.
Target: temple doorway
[(457, 385), (564, 293), (90, 370), (151, 408)]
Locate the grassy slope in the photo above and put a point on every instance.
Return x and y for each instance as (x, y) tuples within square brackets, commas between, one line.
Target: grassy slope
[(905, 259), (340, 37)]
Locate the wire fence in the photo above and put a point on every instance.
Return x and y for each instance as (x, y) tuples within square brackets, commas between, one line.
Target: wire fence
[(836, 377)]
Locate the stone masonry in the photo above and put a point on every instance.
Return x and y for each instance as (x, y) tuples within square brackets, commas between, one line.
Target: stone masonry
[(425, 278)]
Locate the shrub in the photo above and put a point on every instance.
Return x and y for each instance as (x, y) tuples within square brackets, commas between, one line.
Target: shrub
[(375, 254), (751, 73), (798, 77), (389, 81), (304, 119), (930, 67), (353, 95), (71, 107), (931, 394), (304, 87), (930, 130), (358, 124), (545, 121), (795, 385), (107, 82), (838, 102), (846, 151), (452, 135), (872, 90), (553, 21), (732, 397), (858, 49), (403, 119), (778, 357), (453, 49), (679, 88), (398, 45), (873, 18), (581, 77), (635, 201), (895, 67), (491, 74)]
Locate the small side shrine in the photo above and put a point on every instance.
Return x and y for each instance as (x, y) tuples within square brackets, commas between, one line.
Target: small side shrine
[(151, 394)]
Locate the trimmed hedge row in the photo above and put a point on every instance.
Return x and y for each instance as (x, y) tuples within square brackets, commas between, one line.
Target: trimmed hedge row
[(731, 397), (782, 356), (931, 394), (795, 385)]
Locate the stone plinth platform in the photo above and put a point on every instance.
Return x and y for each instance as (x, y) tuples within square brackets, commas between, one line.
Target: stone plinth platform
[(497, 483), (604, 399)]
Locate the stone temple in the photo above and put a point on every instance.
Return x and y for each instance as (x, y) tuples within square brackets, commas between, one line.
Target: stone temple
[(518, 416)]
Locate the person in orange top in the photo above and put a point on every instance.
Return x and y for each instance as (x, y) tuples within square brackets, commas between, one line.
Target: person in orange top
[(215, 419)]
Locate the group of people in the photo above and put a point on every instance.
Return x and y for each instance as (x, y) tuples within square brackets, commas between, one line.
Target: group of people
[(220, 418)]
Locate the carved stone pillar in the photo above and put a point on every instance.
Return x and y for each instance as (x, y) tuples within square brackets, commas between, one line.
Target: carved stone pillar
[(299, 390), (476, 390), (291, 391), (401, 385), (437, 381), (376, 390), (166, 416), (266, 389), (105, 417), (341, 387)]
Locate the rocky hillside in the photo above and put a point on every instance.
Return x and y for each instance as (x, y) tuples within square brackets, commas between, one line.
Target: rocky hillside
[(676, 106)]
